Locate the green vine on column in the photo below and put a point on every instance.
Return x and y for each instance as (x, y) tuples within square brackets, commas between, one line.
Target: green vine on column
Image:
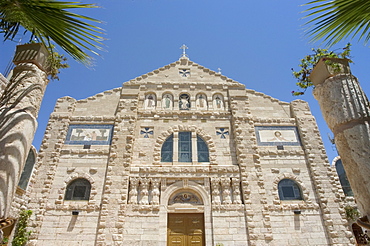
[(21, 234), (309, 61)]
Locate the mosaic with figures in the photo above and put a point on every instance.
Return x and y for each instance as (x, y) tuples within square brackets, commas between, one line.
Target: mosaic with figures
[(277, 135), (89, 134)]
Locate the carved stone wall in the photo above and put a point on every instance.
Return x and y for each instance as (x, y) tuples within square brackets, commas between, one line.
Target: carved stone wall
[(133, 191)]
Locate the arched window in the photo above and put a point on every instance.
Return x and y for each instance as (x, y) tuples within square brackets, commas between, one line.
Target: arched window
[(185, 143), (27, 170), (167, 150), (343, 178), (289, 190), (203, 153), (78, 189)]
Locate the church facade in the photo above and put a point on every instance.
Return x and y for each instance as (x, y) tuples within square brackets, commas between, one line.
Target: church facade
[(184, 155)]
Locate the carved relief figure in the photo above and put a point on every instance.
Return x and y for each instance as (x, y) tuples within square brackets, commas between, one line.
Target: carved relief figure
[(236, 191), (133, 190), (226, 194), (201, 102), (155, 191), (144, 193), (167, 101), (216, 198), (184, 102)]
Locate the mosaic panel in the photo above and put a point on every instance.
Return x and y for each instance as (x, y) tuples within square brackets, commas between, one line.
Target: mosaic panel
[(277, 135), (89, 134)]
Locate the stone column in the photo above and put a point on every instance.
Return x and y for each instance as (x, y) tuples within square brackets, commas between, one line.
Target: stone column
[(346, 110), (18, 125)]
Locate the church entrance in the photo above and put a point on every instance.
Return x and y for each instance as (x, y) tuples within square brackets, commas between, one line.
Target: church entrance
[(185, 230)]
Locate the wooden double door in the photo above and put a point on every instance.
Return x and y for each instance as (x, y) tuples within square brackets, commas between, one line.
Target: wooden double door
[(185, 230)]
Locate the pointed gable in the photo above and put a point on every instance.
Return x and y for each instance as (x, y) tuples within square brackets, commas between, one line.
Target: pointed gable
[(183, 71)]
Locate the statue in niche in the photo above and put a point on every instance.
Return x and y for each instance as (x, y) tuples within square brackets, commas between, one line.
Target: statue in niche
[(167, 101), (218, 103), (184, 103), (201, 102), (150, 101)]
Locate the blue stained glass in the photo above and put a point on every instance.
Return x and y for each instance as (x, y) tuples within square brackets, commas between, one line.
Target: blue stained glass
[(203, 153), (167, 150), (185, 151)]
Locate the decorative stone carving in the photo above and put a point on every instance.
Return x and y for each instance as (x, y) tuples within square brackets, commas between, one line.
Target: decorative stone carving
[(226, 191), (216, 192), (134, 182), (236, 190), (155, 191), (144, 191), (185, 197)]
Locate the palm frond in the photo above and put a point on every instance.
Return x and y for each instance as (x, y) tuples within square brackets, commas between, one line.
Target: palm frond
[(51, 21), (335, 20)]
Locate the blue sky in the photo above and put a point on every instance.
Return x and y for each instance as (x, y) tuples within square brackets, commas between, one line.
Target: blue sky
[(254, 42)]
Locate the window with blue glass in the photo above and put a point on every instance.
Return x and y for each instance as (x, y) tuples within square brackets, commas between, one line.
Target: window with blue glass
[(185, 148), (203, 154), (167, 150), (289, 190)]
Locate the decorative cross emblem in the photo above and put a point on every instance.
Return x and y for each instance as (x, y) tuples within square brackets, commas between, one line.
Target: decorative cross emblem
[(184, 72), (184, 48), (146, 132), (223, 132), (219, 70)]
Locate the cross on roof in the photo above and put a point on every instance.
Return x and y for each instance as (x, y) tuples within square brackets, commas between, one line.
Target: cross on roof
[(184, 48)]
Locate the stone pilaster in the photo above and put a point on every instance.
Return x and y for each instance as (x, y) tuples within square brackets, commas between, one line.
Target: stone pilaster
[(324, 177)]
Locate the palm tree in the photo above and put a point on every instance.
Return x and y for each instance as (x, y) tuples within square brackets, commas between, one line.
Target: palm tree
[(339, 19), (49, 21)]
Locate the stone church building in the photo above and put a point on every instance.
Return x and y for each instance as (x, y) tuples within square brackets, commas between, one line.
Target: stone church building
[(184, 156)]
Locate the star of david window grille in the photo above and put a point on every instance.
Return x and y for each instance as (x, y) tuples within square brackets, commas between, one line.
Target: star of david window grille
[(222, 132), (184, 72), (146, 131)]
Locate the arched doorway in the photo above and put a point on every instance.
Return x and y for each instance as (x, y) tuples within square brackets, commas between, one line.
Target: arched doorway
[(185, 219)]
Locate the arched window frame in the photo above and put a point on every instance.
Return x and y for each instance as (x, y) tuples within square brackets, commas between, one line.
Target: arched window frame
[(75, 189), (28, 169), (346, 187), (295, 190), (190, 148)]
